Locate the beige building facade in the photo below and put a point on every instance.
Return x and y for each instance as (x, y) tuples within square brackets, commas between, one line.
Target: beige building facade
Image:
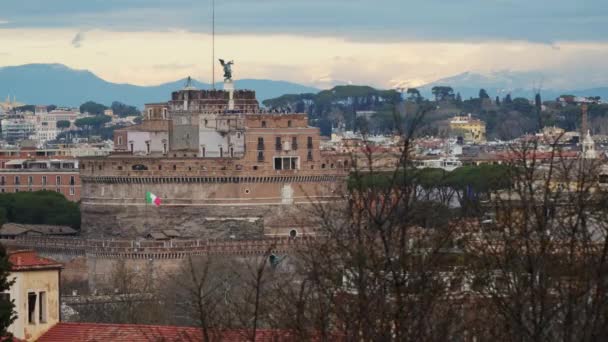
[(35, 294)]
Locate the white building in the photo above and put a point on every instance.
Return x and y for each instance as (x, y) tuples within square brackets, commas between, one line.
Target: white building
[(18, 128)]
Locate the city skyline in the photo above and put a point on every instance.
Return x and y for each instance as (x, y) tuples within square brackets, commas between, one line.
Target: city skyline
[(333, 42)]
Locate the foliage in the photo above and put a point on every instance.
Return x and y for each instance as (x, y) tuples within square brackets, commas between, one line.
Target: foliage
[(523, 106), (92, 108), (40, 207), (483, 94), (338, 106), (479, 179), (26, 108), (124, 110), (7, 309), (505, 118), (63, 124), (443, 93), (93, 122)]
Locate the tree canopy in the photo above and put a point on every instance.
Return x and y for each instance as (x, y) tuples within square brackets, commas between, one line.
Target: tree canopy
[(93, 108), (40, 207), (123, 110), (443, 93), (94, 121), (483, 94), (63, 124)]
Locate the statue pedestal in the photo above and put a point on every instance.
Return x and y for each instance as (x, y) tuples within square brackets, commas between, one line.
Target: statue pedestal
[(229, 87)]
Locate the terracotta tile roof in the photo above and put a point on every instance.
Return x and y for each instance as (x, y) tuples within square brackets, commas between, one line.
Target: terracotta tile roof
[(94, 332), (29, 260)]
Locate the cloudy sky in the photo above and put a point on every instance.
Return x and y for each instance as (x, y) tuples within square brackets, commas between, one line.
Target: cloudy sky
[(314, 42)]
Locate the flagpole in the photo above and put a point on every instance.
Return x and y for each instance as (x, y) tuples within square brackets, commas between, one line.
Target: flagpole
[(213, 44)]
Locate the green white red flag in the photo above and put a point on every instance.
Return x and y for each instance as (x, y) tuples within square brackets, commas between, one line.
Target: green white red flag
[(152, 199)]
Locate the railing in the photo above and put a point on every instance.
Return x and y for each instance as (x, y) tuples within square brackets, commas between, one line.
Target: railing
[(170, 249)]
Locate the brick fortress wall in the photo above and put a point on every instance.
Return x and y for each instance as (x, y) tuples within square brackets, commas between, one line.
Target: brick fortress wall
[(212, 198)]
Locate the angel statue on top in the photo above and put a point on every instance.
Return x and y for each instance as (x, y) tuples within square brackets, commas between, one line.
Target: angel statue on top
[(227, 69)]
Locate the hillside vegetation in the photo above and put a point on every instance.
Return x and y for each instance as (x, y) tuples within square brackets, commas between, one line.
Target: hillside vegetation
[(506, 117)]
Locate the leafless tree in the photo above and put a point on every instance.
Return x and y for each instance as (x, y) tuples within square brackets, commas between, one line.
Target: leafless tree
[(540, 266), (377, 275), (129, 296)]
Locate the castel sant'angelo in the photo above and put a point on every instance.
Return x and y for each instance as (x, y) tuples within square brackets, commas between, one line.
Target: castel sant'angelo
[(223, 168)]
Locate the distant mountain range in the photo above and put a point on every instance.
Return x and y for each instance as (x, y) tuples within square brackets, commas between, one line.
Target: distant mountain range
[(57, 84), (45, 84), (518, 84)]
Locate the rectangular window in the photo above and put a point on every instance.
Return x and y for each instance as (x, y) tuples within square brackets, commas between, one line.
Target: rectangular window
[(42, 307), (58, 180), (221, 152), (260, 143), (309, 143), (17, 180), (260, 156), (294, 143), (277, 143), (30, 180), (286, 163), (31, 307), (72, 191), (309, 155), (43, 180), (72, 180), (2, 181)]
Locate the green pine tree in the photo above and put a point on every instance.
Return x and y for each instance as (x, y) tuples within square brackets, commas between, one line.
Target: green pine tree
[(7, 306)]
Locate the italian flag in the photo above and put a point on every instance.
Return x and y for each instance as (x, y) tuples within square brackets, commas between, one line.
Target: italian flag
[(152, 199)]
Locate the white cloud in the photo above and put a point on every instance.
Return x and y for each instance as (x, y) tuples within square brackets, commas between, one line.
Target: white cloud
[(4, 22), (147, 57)]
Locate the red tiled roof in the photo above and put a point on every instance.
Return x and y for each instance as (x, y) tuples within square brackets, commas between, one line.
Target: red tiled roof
[(29, 260), (97, 332)]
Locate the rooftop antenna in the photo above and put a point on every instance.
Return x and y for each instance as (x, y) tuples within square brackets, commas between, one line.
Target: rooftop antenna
[(213, 44)]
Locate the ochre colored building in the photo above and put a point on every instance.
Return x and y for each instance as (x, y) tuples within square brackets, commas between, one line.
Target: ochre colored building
[(470, 129), (35, 294)]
